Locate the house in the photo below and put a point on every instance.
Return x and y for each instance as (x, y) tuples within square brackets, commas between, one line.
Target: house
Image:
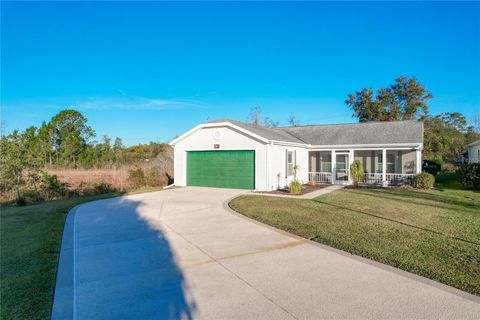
[(233, 154), (474, 152)]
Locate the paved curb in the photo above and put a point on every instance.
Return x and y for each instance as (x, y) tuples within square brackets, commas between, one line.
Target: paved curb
[(403, 273), (62, 306)]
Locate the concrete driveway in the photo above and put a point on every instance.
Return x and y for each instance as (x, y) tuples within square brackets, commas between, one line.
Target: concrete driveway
[(181, 254)]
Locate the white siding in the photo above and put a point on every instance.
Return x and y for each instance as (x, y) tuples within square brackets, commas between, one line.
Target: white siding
[(474, 154), (228, 139), (278, 178)]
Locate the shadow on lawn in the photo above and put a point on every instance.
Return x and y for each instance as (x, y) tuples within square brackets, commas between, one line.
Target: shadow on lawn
[(124, 266), (441, 201), (318, 200)]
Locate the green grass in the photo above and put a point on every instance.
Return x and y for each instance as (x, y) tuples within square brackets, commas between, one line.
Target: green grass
[(30, 248), (435, 233)]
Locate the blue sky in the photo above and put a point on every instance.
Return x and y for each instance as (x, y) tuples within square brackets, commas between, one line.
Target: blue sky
[(150, 71)]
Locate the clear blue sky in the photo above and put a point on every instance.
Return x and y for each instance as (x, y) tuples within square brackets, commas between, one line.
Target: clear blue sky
[(149, 71)]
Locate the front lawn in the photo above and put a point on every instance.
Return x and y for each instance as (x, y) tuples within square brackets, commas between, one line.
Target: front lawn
[(435, 233), (30, 248)]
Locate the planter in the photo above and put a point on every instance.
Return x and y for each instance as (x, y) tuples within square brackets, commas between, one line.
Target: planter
[(312, 183)]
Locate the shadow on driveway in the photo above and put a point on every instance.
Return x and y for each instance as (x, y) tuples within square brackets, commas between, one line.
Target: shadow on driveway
[(114, 264)]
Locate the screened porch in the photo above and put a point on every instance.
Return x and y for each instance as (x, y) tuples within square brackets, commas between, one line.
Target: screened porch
[(333, 166)]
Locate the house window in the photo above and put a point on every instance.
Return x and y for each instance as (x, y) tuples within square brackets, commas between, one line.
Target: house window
[(289, 163)]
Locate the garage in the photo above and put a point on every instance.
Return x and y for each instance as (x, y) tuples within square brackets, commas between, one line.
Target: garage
[(221, 169)]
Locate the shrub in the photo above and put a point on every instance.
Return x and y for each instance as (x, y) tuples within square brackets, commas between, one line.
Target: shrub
[(424, 181), (136, 177), (103, 188), (449, 167), (432, 166), (51, 187), (30, 196), (21, 201), (470, 174), (295, 187), (356, 171)]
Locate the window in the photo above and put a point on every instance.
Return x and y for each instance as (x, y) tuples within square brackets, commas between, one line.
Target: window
[(289, 163)]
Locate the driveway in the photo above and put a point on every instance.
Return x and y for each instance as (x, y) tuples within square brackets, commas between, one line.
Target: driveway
[(181, 253)]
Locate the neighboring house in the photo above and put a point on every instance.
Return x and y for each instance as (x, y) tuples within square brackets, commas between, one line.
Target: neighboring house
[(474, 152), (232, 154)]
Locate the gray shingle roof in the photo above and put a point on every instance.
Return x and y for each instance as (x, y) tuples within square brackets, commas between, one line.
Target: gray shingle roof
[(267, 133), (342, 134)]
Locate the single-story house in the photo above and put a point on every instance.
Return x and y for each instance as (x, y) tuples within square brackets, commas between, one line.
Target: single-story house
[(233, 154), (474, 152)]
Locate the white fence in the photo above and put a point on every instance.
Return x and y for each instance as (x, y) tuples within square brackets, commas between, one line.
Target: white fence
[(393, 179), (320, 176)]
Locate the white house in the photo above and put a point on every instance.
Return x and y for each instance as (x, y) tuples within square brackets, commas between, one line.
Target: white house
[(232, 154), (474, 152)]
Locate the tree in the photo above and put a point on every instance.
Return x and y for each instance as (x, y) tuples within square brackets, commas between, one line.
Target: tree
[(443, 138), (255, 117), (293, 121), (46, 140), (16, 162), (406, 99), (72, 135)]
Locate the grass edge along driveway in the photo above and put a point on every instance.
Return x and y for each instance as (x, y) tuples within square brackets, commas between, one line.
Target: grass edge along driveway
[(435, 234)]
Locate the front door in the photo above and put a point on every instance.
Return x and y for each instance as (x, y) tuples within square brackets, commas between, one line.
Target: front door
[(342, 170)]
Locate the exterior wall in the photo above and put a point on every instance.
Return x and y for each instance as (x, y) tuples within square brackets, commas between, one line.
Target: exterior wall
[(474, 154), (277, 168), (227, 139)]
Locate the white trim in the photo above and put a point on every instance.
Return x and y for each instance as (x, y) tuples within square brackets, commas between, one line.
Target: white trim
[(217, 124), (384, 167), (474, 143), (290, 144), (380, 146)]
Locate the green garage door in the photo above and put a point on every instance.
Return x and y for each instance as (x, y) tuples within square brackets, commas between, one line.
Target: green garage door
[(221, 169)]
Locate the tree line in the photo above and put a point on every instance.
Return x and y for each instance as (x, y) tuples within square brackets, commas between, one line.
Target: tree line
[(66, 141)]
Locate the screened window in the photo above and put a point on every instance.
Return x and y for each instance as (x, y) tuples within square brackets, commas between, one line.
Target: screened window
[(290, 163)]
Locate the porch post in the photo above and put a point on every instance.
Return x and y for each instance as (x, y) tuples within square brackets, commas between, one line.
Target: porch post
[(334, 166), (350, 161), (384, 168), (418, 163)]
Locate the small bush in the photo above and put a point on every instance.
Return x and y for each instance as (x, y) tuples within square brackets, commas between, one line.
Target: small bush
[(470, 175), (424, 181), (449, 167), (30, 196), (21, 201), (432, 166), (295, 187), (102, 188), (51, 187), (356, 171), (136, 177)]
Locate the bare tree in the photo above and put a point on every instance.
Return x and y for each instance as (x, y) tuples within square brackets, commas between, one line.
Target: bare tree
[(293, 121), (476, 123), (255, 116)]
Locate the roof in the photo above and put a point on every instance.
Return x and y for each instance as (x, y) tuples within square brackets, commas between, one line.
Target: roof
[(359, 133), (267, 133), (474, 143), (366, 133)]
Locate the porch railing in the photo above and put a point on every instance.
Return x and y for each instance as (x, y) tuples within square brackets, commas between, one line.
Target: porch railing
[(372, 178), (398, 179), (393, 179), (320, 176)]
